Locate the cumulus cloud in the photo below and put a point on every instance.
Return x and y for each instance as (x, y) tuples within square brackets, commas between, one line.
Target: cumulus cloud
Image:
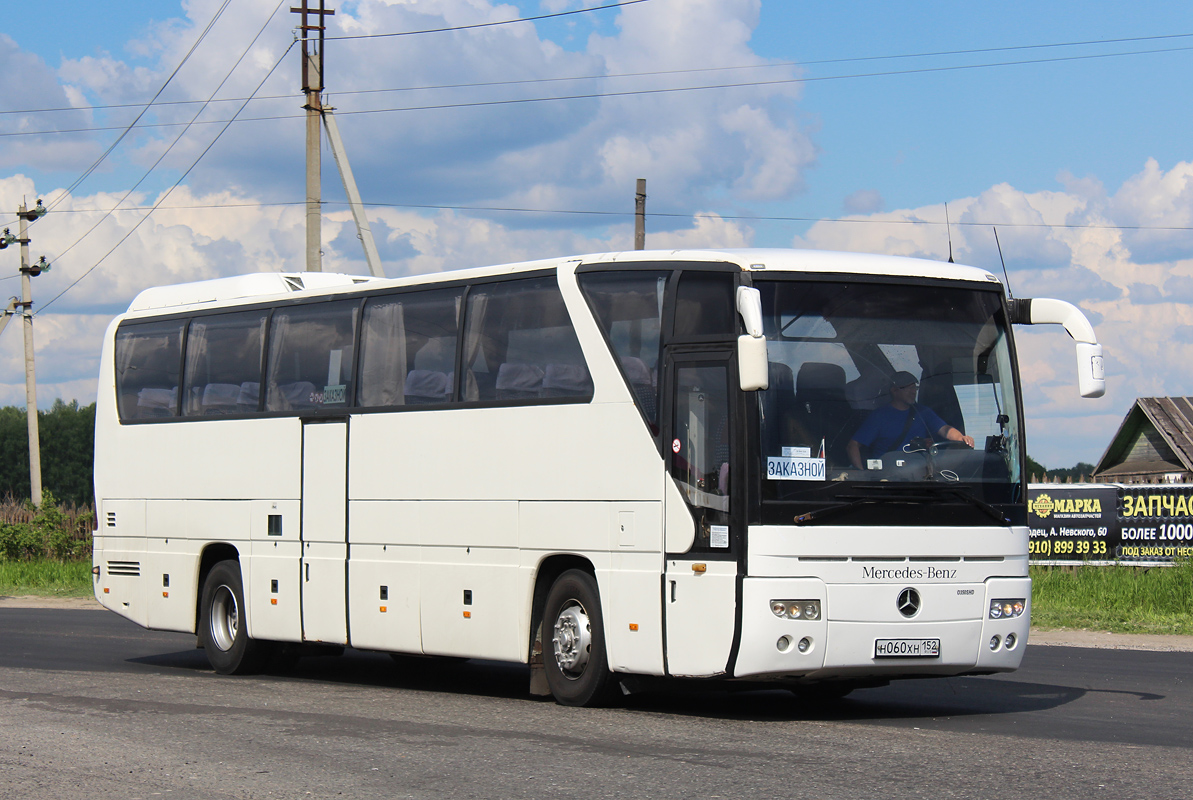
[(864, 201)]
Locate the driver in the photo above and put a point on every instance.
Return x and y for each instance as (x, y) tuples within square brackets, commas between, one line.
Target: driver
[(893, 426)]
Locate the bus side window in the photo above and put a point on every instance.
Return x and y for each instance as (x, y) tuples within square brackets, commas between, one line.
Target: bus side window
[(147, 362), (408, 348), (628, 306), (310, 356), (223, 364), (519, 344)]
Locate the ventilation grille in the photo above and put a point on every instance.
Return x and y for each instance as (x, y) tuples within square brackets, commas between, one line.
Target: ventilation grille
[(293, 283), (129, 568), (111, 519)]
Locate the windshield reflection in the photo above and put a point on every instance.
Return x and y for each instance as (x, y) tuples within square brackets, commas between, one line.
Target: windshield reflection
[(880, 383)]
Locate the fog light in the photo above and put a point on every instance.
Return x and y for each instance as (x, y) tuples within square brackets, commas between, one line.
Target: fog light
[(805, 644), (784, 644), (994, 640), (1009, 642)]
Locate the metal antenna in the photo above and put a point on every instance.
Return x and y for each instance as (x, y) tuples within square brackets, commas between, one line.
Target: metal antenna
[(1003, 261), (948, 229)]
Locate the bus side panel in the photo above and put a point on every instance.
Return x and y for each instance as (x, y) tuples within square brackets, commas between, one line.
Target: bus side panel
[(171, 574), (385, 556), (272, 591), (121, 585), (622, 540), (231, 459), (383, 597), (470, 604)]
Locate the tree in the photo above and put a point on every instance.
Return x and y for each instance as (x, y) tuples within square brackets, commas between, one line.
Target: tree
[(67, 439)]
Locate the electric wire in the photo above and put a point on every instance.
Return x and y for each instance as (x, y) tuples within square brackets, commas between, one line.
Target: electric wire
[(78, 181), (657, 215), (161, 157), (651, 73), (633, 92), (167, 193), (484, 24)]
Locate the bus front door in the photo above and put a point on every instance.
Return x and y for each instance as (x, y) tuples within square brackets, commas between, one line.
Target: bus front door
[(324, 530), (700, 584)]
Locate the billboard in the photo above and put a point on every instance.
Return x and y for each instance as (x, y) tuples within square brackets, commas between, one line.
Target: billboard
[(1100, 522)]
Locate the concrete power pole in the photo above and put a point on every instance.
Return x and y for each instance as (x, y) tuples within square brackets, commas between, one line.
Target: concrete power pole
[(312, 86), (640, 215), (26, 305)]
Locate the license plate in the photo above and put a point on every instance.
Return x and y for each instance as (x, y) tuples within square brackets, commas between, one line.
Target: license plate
[(907, 648)]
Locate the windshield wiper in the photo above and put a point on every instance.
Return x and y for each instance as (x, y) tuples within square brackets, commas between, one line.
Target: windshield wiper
[(900, 494)]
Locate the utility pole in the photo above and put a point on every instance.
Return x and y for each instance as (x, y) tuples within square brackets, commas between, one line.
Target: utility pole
[(26, 305), (640, 215), (312, 86)]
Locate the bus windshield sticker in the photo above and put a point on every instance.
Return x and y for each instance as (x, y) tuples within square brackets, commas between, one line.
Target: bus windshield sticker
[(718, 536), (797, 452), (675, 446), (788, 468)]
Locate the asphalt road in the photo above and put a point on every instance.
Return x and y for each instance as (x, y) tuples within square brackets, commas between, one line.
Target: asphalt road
[(91, 706)]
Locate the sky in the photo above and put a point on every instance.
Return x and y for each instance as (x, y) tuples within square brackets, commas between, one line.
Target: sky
[(760, 123)]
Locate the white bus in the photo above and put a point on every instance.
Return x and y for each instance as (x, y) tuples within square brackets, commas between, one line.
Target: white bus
[(629, 464)]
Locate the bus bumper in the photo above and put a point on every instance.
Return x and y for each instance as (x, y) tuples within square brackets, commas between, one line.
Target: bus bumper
[(855, 619)]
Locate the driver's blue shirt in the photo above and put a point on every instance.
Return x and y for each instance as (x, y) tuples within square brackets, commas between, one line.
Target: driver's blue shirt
[(879, 432)]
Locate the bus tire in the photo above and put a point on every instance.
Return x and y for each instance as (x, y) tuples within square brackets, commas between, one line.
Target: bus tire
[(574, 642), (222, 629)]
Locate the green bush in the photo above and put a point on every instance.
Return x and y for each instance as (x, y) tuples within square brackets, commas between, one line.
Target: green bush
[(50, 533)]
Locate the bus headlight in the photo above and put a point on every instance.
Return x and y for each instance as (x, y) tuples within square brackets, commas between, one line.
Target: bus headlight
[(796, 609), (1007, 609)]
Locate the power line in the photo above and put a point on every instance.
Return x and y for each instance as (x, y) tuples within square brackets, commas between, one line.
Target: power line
[(487, 24), (655, 214), (638, 92), (78, 181), (181, 133), (652, 73), (181, 178)]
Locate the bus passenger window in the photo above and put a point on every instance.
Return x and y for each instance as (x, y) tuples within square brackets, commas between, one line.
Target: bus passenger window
[(147, 362), (628, 305), (223, 364), (519, 344), (408, 348), (310, 356)]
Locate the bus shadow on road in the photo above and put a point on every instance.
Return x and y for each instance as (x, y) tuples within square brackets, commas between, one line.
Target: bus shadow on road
[(902, 700)]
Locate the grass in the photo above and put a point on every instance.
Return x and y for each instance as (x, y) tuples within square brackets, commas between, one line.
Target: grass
[(46, 578), (1118, 599)]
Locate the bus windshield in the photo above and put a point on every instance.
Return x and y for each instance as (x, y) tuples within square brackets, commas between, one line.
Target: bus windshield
[(874, 386)]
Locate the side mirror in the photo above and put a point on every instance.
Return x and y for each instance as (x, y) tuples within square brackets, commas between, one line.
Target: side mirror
[(1091, 370), (753, 365)]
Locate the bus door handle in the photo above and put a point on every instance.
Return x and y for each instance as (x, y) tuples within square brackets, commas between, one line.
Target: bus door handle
[(672, 591), (308, 568)]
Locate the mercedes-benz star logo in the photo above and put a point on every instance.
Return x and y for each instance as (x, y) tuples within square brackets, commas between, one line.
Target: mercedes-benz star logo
[(908, 602)]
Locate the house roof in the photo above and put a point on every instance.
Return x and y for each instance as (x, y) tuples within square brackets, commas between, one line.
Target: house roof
[(1155, 437)]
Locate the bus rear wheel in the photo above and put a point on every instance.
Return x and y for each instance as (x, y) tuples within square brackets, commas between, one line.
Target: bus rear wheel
[(574, 647), (222, 629)]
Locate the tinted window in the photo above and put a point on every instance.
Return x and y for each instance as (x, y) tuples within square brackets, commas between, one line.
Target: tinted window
[(310, 356), (147, 362), (223, 363), (704, 305), (519, 344), (408, 349), (628, 307)]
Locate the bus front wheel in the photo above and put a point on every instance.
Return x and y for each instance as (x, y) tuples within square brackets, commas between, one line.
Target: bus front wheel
[(574, 651), (222, 629)]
